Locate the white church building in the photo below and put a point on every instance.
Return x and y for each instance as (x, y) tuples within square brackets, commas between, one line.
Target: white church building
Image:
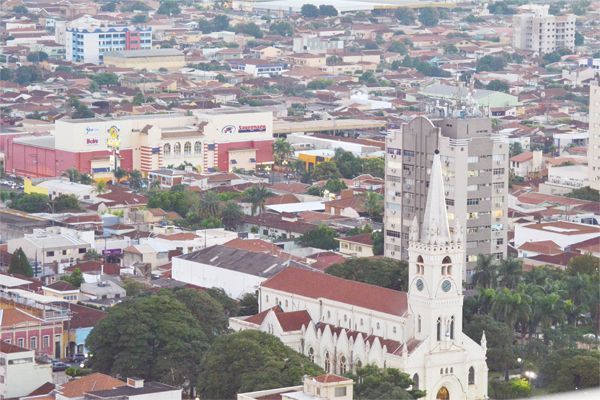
[(342, 324)]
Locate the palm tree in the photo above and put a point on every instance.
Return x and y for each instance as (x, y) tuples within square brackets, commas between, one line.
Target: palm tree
[(486, 274), (119, 174), (257, 195), (72, 174), (282, 150), (231, 215), (85, 179), (209, 205), (135, 179), (511, 307), (510, 271), (100, 187)]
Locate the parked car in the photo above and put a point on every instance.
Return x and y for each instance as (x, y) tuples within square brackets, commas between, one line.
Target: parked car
[(78, 358), (58, 366)]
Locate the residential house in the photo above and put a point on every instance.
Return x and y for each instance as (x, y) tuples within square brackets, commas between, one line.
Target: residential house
[(83, 320), (276, 226), (103, 291), (76, 389), (20, 373), (348, 205), (526, 163), (322, 387), (357, 245), (62, 290), (137, 389)]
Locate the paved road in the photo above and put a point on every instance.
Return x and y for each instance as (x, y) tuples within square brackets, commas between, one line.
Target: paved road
[(576, 395)]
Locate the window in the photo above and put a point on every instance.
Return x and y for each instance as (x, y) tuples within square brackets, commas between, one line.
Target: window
[(378, 325), (177, 149), (498, 171), (452, 328), (167, 150), (21, 342), (472, 202), (82, 250), (343, 365), (286, 303), (473, 159), (187, 148), (33, 342), (64, 252), (415, 381), (311, 354), (419, 324), (49, 254), (340, 391), (439, 329), (471, 376), (197, 148), (327, 363), (211, 147)]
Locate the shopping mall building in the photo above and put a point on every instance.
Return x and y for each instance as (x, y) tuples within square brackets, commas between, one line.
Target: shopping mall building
[(213, 140)]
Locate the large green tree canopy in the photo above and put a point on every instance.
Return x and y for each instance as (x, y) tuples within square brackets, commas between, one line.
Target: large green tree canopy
[(248, 361), (384, 272)]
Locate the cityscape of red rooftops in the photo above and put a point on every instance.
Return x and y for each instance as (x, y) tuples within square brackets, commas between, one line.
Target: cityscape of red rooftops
[(299, 200)]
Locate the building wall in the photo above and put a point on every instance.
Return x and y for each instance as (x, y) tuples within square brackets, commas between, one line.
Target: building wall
[(235, 284), (149, 63), (21, 378), (543, 33), (478, 198), (594, 137)]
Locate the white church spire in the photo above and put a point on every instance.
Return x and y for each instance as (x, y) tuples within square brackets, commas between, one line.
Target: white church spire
[(435, 220)]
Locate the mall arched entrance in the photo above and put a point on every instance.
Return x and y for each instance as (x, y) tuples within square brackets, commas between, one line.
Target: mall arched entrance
[(443, 394)]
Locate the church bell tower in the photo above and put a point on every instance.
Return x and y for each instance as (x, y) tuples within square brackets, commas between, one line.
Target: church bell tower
[(436, 261)]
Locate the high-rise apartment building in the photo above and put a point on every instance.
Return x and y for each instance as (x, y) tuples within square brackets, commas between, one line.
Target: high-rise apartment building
[(594, 135), (88, 45), (475, 169), (542, 33)]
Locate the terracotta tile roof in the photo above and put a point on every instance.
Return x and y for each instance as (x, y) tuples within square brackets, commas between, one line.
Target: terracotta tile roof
[(179, 236), (260, 317), (543, 247), (61, 286), (45, 389), (318, 285), (587, 245), (363, 238), (294, 320), (565, 228), (330, 378), (92, 382), (325, 260), (561, 259), (7, 348), (84, 317), (96, 266), (13, 316), (79, 219), (540, 198), (525, 156), (282, 199)]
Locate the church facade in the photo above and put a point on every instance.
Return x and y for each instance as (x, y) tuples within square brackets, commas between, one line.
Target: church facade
[(342, 324)]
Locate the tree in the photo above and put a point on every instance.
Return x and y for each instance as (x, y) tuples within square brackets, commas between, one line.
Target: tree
[(429, 16), (139, 19), (230, 306), (249, 304), (580, 7), (249, 29), (347, 163), (75, 279), (309, 11), (154, 337), (282, 28), (100, 187), (486, 272), (37, 56), (491, 63), (282, 150), (207, 311), (334, 60), (374, 166), (109, 7), (374, 204), (73, 174), (501, 352), (515, 149), (105, 79), (231, 215), (372, 382), (169, 7), (327, 11), (135, 6), (30, 203), (572, 369), (79, 110), (334, 186), (368, 78), (384, 272), (135, 179), (19, 264), (378, 247), (27, 74), (579, 39), (92, 255), (119, 174), (585, 264), (85, 179), (257, 195), (248, 361), (509, 272), (322, 237), (406, 16), (66, 202), (20, 9), (501, 8), (585, 193), (209, 205), (398, 47), (326, 170), (498, 86)]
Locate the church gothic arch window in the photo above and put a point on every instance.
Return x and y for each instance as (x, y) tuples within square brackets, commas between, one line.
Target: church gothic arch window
[(187, 148), (471, 376), (420, 267), (419, 323), (177, 149), (415, 379), (439, 329), (197, 148), (167, 150), (311, 354), (452, 328), (327, 363), (343, 365)]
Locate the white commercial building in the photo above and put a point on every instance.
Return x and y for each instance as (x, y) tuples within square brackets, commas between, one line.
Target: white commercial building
[(565, 179), (19, 372), (542, 33), (560, 232), (342, 325)]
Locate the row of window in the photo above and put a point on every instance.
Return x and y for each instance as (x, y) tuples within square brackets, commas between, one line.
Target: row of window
[(187, 149), (33, 342)]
